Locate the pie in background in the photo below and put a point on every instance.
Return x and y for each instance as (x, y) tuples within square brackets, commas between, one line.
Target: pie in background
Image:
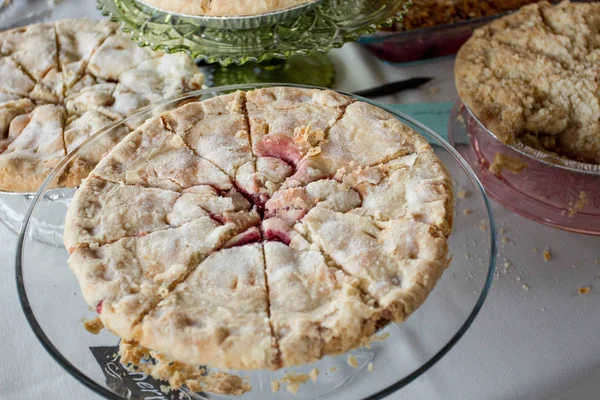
[(60, 82), (261, 229), (533, 77), (225, 8)]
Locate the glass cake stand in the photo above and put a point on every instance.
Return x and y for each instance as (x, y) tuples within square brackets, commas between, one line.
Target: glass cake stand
[(52, 303), (258, 53)]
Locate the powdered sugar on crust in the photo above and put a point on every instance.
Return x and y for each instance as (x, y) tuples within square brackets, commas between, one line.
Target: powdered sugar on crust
[(304, 253)]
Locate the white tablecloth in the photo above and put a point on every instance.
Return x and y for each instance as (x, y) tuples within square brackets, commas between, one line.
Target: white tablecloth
[(526, 344)]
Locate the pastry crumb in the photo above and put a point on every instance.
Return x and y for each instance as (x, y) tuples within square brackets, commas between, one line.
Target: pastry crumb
[(313, 151), (314, 374), (525, 287), (293, 388), (165, 389), (352, 361), (505, 240), (370, 367), (292, 382), (503, 161), (597, 261), (462, 193), (275, 386), (584, 290), (332, 369), (535, 250), (137, 358), (93, 326), (467, 211), (581, 202), (547, 255)]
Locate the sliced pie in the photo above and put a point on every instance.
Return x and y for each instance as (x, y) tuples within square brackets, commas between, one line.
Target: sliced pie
[(126, 279), (304, 253), (91, 72), (219, 315)]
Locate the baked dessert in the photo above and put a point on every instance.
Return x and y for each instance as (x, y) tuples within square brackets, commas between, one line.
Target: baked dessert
[(429, 13), (60, 82), (225, 8), (533, 77), (261, 229)]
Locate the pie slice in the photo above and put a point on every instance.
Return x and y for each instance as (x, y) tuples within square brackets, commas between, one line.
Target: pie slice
[(315, 310), (13, 79), (365, 136), (77, 41), (397, 262), (291, 123), (217, 131), (33, 47), (35, 50), (126, 279), (9, 110), (218, 316), (415, 186), (153, 156), (117, 54), (78, 131), (37, 146), (104, 212), (291, 205)]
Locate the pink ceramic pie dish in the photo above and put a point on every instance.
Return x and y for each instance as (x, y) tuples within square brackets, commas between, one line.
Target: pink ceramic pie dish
[(540, 186)]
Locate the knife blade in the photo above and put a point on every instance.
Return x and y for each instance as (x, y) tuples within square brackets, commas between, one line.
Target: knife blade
[(394, 87)]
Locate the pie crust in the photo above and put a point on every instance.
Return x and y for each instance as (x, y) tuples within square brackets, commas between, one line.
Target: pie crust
[(533, 77), (186, 245), (60, 82), (225, 8)]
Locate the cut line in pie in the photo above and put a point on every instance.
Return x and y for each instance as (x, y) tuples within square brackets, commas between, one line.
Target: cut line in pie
[(261, 229)]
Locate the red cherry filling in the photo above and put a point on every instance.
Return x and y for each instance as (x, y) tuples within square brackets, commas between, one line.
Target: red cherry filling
[(99, 307), (252, 235), (279, 146)]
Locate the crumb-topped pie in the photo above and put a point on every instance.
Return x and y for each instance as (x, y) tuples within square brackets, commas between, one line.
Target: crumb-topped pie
[(533, 77), (225, 8), (60, 82), (261, 229)]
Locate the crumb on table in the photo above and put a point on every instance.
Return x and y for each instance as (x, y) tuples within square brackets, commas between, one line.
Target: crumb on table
[(370, 367), (93, 326), (352, 361), (584, 290), (275, 386), (547, 255)]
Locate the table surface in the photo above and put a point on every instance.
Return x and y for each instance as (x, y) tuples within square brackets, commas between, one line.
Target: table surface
[(535, 338)]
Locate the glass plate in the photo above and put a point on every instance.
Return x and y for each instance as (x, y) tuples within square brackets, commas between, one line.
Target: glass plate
[(554, 191), (52, 303), (322, 28)]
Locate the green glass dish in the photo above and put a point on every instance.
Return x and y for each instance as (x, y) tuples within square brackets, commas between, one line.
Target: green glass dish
[(320, 29)]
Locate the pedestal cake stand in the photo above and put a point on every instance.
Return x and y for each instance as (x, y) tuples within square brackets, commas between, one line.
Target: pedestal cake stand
[(287, 46)]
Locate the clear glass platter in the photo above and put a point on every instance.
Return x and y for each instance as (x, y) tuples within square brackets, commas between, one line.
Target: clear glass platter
[(52, 303)]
